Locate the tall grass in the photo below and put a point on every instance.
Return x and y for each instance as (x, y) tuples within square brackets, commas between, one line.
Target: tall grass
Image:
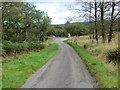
[(48, 42), (99, 50)]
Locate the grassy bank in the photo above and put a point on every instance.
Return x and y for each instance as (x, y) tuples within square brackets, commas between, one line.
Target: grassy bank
[(100, 50), (16, 70), (104, 76)]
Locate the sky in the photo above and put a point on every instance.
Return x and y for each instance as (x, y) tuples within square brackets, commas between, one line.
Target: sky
[(58, 11)]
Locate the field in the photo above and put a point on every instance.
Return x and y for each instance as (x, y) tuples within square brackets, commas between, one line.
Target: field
[(17, 69), (100, 50)]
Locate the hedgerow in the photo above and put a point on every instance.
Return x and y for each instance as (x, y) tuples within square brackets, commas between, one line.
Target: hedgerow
[(8, 46)]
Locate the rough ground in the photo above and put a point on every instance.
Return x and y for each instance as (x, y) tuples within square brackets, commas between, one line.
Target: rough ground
[(64, 70)]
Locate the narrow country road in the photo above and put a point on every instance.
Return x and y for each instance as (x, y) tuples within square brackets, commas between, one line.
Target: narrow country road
[(64, 70)]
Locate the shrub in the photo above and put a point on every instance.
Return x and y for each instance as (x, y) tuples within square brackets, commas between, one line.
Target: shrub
[(41, 46), (113, 55), (25, 46), (32, 45), (7, 46), (16, 47), (1, 49), (85, 46)]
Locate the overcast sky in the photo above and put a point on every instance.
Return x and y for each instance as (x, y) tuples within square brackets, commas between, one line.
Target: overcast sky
[(58, 11)]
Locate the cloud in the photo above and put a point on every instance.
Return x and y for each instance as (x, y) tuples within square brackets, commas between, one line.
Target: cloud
[(56, 11), (59, 12)]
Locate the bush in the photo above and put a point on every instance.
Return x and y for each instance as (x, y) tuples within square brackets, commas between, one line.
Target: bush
[(1, 49), (40, 46), (85, 46), (16, 47), (25, 46), (113, 55), (32, 45), (7, 46)]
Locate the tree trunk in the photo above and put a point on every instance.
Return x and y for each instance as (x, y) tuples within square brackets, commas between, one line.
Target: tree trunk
[(111, 25), (90, 19), (102, 21), (96, 31)]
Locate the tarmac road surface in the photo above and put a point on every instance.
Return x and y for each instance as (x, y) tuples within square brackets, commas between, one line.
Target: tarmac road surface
[(64, 70)]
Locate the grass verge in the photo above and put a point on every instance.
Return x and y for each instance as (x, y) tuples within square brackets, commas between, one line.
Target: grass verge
[(16, 71), (105, 77), (99, 51)]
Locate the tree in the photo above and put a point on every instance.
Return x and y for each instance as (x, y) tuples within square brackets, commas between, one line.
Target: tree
[(102, 20), (12, 20), (111, 23), (57, 30), (22, 22), (76, 29), (104, 16), (113, 19), (96, 31)]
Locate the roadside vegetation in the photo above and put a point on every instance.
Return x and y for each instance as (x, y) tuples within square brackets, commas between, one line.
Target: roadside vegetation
[(101, 59), (99, 47), (100, 51), (25, 45), (105, 77), (10, 48), (24, 28), (18, 69), (22, 22), (48, 42)]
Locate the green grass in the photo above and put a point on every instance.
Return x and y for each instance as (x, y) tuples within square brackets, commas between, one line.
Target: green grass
[(105, 77), (16, 70)]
